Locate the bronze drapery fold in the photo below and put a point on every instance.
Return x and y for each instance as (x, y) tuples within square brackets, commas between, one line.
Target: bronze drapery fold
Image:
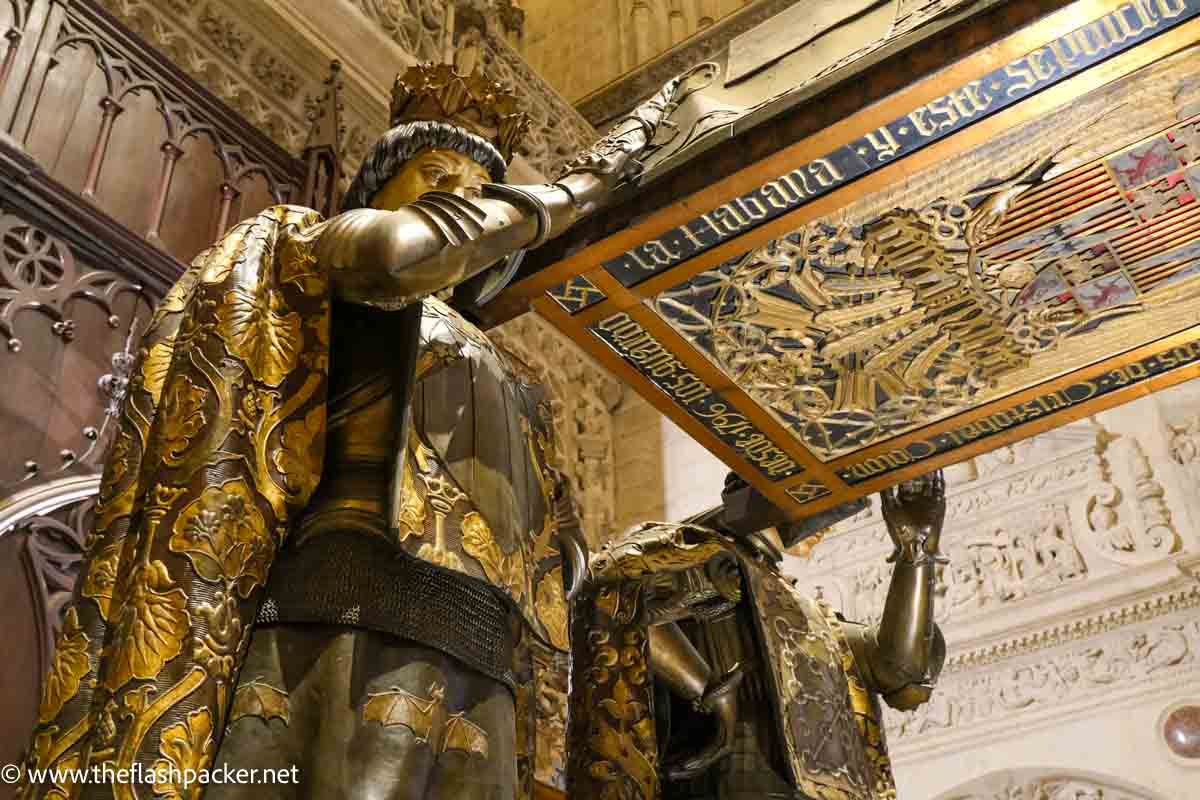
[(220, 443)]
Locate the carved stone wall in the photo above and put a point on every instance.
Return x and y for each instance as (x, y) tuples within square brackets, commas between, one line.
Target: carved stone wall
[(1071, 606), (268, 61), (620, 35)]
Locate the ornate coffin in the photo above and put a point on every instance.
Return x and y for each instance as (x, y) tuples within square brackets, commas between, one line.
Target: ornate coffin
[(960, 247)]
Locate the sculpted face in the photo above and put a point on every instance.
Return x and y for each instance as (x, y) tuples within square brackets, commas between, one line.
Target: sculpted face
[(432, 170)]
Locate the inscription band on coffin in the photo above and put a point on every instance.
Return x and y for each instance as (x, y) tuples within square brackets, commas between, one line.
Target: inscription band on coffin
[(1127, 26), (639, 348), (1057, 400)]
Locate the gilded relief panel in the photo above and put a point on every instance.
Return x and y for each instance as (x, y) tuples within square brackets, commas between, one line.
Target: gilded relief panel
[(1055, 245)]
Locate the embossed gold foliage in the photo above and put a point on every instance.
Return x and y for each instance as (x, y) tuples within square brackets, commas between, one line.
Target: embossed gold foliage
[(294, 458), (171, 604), (118, 466), (221, 532), (68, 668), (412, 507), (186, 747), (101, 579), (507, 570), (258, 329), (151, 624), (298, 265), (226, 635), (65, 788), (155, 364), (611, 748), (261, 700), (551, 606), (182, 417)]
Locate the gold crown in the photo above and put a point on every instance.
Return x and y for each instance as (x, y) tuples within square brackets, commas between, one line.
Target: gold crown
[(429, 92)]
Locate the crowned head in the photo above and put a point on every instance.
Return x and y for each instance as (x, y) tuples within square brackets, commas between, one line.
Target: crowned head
[(449, 132)]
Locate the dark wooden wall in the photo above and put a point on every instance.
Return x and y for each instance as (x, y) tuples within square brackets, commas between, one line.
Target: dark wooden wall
[(115, 170), (117, 142)]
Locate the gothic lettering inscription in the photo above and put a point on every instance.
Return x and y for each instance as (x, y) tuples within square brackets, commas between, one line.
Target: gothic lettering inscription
[(1036, 408), (1087, 45), (648, 356)]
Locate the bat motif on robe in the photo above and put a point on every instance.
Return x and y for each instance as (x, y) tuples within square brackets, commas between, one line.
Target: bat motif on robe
[(427, 720)]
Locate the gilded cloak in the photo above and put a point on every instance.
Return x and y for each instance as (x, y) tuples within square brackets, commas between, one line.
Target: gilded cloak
[(220, 441)]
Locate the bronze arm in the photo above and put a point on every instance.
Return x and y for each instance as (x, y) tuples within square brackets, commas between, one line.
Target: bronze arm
[(390, 259), (902, 656)]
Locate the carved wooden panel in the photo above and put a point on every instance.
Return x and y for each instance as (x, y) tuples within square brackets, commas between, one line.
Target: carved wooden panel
[(111, 119), (62, 321)]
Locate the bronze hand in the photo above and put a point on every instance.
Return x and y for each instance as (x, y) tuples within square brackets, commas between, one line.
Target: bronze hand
[(914, 512), (902, 656)]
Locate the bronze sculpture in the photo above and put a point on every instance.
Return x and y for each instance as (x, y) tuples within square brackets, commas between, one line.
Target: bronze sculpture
[(304, 408), (686, 628)]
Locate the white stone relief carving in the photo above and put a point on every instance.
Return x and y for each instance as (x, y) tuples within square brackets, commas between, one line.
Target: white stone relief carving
[(418, 26), (1070, 599), (1123, 659), (1016, 560), (1044, 785), (214, 48), (1126, 510), (557, 131), (1185, 447), (997, 564)]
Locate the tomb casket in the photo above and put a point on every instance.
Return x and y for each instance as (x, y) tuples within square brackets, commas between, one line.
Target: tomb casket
[(960, 234)]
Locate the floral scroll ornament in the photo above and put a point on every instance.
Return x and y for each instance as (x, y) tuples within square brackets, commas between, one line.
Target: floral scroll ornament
[(68, 668), (218, 531), (151, 623), (183, 417), (551, 606), (293, 459), (187, 747), (255, 330), (502, 569)]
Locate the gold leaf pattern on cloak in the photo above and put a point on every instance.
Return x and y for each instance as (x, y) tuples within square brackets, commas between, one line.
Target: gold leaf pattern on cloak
[(67, 669), (262, 700), (226, 636), (187, 747), (65, 769), (502, 570), (101, 578), (412, 507), (177, 297), (155, 363), (220, 259), (182, 416), (551, 608), (118, 463), (255, 330), (298, 265), (151, 623), (223, 533), (294, 459)]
